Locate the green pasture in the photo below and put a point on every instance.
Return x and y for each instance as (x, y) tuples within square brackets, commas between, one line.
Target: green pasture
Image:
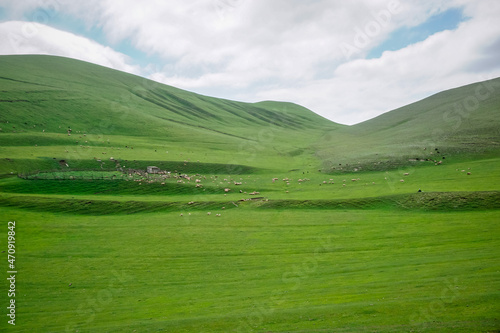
[(357, 258), (258, 271), (468, 176)]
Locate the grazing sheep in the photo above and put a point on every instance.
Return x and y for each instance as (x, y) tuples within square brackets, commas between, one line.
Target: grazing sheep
[(468, 173), (209, 213), (227, 190), (406, 174), (402, 180), (182, 215)]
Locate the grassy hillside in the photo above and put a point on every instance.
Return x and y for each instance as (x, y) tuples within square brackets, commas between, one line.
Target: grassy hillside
[(73, 94), (43, 97), (456, 124), (265, 218), (470, 110), (50, 92)]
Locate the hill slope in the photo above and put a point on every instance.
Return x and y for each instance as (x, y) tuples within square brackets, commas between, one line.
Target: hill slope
[(471, 110), (45, 98), (459, 123), (53, 91)]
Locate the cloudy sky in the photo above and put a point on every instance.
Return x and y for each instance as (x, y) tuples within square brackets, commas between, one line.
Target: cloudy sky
[(348, 61)]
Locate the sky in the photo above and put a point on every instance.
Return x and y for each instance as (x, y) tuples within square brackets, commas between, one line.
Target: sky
[(348, 61)]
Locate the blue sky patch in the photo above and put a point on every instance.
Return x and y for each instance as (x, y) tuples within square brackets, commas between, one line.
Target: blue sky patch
[(405, 36), (3, 14)]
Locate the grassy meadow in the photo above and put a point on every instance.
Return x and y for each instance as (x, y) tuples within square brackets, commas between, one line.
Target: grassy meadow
[(266, 217)]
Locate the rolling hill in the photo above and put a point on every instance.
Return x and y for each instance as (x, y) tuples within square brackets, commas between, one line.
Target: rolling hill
[(51, 91), (459, 123), (458, 117), (44, 97)]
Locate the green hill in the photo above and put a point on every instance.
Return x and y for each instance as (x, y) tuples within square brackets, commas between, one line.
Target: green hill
[(458, 117), (459, 123), (51, 91), (43, 97)]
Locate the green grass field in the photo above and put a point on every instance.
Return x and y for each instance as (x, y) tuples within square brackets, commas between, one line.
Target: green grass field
[(250, 270), (272, 219)]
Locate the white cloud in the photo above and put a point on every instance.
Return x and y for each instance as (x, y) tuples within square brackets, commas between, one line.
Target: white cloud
[(285, 49), (32, 38)]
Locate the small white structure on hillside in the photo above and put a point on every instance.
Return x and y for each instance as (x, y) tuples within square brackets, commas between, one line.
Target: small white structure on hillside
[(152, 169)]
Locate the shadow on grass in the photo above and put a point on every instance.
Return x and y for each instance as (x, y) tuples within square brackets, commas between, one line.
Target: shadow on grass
[(435, 201)]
